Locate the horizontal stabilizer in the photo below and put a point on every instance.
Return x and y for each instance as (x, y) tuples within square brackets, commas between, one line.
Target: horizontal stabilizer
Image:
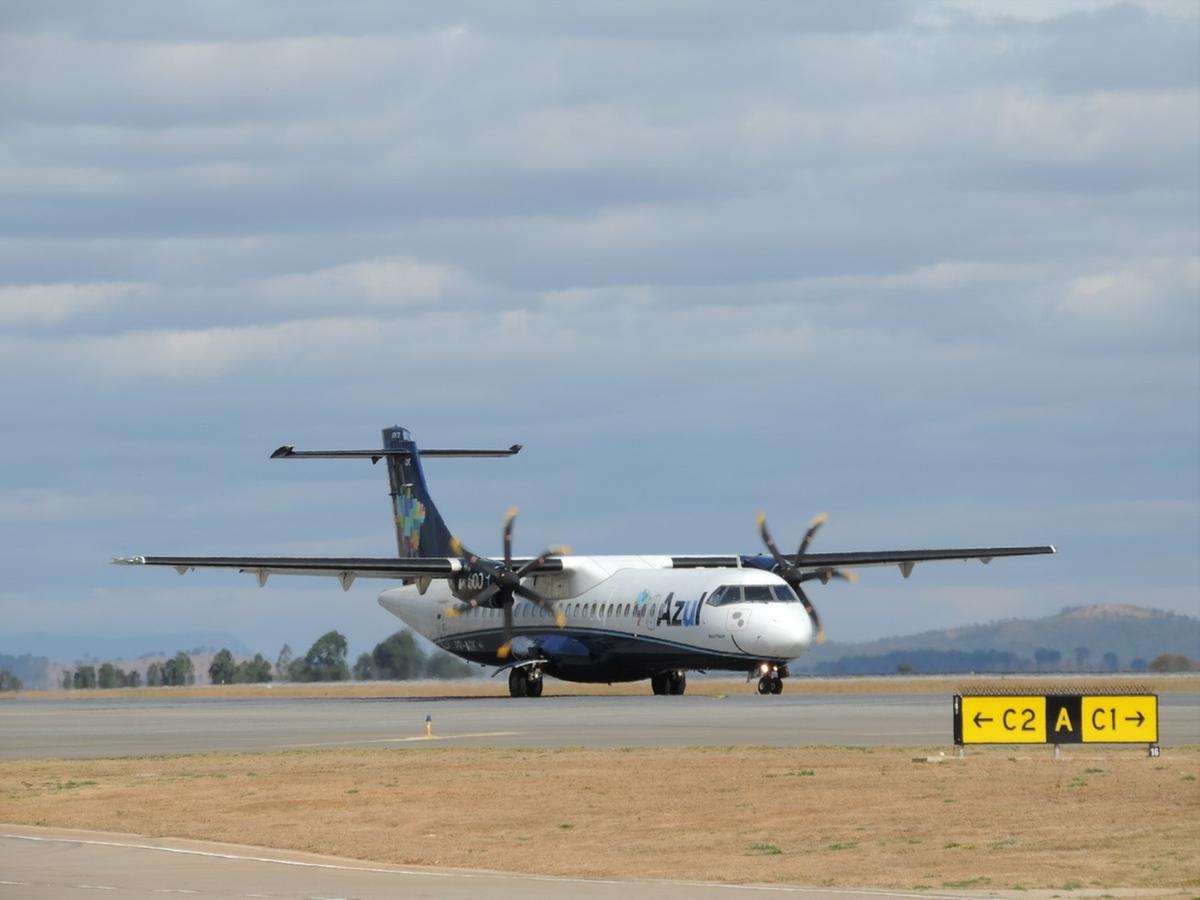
[(287, 451)]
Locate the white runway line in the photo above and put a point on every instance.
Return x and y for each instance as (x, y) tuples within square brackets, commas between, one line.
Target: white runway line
[(503, 876), (418, 738)]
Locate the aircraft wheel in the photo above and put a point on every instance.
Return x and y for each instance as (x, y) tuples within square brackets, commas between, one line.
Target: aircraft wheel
[(677, 683), (659, 683), (534, 687), (764, 685), (518, 683), (776, 685)]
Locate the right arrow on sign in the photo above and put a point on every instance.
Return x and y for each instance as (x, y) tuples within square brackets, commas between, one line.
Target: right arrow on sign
[(1139, 718)]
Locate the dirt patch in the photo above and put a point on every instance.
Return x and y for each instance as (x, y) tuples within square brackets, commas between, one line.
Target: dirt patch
[(999, 820), (496, 687)]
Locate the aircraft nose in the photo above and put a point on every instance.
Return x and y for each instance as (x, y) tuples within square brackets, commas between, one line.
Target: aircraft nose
[(787, 633)]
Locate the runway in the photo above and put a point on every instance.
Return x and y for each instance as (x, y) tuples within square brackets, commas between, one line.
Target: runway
[(76, 729), (56, 863)]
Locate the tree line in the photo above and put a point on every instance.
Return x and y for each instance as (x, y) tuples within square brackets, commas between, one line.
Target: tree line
[(951, 662), (398, 657)]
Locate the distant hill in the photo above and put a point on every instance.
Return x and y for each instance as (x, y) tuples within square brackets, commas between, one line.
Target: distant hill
[(1105, 637)]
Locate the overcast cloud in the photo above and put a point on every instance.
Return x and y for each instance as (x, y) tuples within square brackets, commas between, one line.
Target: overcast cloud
[(934, 268)]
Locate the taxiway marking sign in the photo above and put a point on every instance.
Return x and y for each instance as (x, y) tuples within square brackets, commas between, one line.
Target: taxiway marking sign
[(1057, 719)]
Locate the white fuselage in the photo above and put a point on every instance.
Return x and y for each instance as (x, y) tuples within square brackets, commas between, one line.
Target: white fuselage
[(626, 617)]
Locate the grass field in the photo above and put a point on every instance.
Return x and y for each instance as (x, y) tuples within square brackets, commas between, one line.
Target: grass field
[(1000, 820), (495, 687)]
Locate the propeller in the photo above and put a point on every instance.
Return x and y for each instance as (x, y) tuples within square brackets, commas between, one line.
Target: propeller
[(504, 582), (792, 574)]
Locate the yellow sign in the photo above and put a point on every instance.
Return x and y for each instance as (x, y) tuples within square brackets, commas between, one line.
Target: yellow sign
[(1121, 719), (1057, 719), (1003, 720)]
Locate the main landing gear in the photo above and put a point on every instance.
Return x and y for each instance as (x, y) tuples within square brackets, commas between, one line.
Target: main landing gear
[(669, 682), (525, 681), (771, 678)]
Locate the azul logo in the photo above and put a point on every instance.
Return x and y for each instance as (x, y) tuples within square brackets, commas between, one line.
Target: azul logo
[(679, 612), (410, 516)]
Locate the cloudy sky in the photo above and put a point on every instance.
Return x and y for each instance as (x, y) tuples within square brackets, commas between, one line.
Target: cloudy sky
[(934, 268)]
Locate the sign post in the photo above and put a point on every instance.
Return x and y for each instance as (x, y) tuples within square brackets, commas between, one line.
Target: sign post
[(1057, 719)]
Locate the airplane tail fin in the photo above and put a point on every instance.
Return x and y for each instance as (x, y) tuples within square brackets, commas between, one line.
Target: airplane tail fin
[(420, 530)]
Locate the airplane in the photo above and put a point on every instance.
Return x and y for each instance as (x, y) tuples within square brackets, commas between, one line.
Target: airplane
[(583, 618)]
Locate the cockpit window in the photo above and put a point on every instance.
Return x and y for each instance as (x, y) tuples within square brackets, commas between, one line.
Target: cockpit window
[(724, 595), (758, 593), (785, 594)]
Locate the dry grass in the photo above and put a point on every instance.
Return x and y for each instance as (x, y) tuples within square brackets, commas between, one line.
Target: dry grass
[(495, 687), (998, 820)]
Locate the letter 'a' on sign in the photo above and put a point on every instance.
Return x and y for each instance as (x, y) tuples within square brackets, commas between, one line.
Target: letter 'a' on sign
[(1120, 719), (1063, 718)]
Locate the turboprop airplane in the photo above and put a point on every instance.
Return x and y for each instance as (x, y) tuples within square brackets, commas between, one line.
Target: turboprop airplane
[(583, 618)]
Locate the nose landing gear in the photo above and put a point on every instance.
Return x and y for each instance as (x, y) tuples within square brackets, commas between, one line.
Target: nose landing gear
[(770, 678), (770, 684)]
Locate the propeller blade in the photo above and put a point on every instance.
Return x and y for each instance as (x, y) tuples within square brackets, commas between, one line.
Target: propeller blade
[(483, 596), (824, 575), (473, 602), (769, 541), (545, 603), (818, 520), (506, 646), (508, 531), (473, 560), (560, 550), (812, 614)]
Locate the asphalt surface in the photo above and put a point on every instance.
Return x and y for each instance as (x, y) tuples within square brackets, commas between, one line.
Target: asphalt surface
[(58, 863), (101, 728)]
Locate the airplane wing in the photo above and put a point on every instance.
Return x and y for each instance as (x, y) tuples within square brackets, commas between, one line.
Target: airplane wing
[(905, 559), (858, 558), (345, 569)]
